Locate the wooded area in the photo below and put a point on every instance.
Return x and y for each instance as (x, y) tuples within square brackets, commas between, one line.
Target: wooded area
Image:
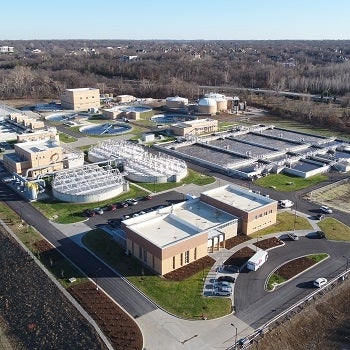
[(43, 69)]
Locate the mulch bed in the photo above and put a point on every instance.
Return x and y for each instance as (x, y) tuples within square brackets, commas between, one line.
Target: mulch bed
[(190, 269), (294, 267), (234, 241), (121, 330), (269, 243), (240, 257), (118, 327)]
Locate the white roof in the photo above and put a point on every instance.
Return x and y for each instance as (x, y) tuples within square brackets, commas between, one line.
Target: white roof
[(177, 222), (239, 197)]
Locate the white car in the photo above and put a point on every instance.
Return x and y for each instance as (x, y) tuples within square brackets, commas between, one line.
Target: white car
[(98, 211), (223, 291), (320, 282), (286, 203), (326, 210)]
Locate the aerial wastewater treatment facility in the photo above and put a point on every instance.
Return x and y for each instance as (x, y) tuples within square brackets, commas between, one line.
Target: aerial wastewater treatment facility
[(139, 164)]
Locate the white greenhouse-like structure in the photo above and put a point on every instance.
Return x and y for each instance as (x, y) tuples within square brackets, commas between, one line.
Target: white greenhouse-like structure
[(140, 165), (87, 184)]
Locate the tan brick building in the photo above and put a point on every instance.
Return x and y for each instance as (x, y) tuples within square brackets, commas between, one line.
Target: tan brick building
[(81, 99), (195, 127)]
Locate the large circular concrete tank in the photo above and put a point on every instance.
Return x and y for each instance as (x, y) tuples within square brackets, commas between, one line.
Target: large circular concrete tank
[(207, 105), (176, 102)]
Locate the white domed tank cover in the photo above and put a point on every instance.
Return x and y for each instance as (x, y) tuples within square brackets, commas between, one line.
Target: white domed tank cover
[(215, 95), (87, 184), (207, 105), (140, 165), (176, 102), (113, 149)]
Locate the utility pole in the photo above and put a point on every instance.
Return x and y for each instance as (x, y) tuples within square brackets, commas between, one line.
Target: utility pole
[(235, 336)]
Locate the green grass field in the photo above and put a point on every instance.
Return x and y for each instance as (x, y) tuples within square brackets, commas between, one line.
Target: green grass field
[(335, 230), (188, 293), (282, 182)]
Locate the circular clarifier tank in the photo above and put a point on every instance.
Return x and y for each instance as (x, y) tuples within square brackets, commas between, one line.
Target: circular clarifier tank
[(171, 118), (106, 129), (63, 117)]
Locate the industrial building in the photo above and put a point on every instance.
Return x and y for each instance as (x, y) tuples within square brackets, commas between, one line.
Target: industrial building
[(139, 165), (255, 211), (82, 99), (195, 127), (40, 153), (177, 235)]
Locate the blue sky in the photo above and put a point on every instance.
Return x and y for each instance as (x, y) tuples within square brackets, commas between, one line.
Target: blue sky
[(181, 19)]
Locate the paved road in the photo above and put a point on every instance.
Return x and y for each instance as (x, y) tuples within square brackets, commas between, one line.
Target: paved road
[(255, 306), (125, 295)]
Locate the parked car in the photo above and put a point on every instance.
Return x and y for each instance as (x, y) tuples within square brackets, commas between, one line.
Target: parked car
[(225, 278), (320, 234), (223, 290), (89, 213), (125, 217), (124, 204), (320, 282), (113, 222), (326, 210), (293, 236), (98, 211), (148, 197), (131, 201), (112, 207)]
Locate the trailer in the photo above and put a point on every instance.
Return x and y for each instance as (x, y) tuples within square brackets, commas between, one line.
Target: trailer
[(257, 260)]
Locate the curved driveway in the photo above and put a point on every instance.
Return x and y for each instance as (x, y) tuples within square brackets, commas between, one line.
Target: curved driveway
[(255, 306)]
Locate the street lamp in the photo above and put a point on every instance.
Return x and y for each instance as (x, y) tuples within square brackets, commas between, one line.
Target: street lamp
[(235, 335)]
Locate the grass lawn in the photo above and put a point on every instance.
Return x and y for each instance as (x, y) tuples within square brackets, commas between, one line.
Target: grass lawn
[(335, 230), (282, 182), (61, 268), (66, 138), (273, 280), (188, 293), (318, 257), (66, 213), (285, 222)]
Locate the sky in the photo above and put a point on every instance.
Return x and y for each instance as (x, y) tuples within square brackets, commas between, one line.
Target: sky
[(175, 19)]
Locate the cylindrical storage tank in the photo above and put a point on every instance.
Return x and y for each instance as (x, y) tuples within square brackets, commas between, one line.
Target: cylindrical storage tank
[(207, 105), (221, 104), (176, 102)]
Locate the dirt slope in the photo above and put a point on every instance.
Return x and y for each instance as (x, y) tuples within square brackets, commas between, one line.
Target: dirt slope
[(325, 324)]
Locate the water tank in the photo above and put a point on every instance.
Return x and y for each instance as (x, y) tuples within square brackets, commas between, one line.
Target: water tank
[(176, 102), (207, 105)]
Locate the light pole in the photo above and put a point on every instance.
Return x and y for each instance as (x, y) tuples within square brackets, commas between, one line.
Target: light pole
[(235, 335)]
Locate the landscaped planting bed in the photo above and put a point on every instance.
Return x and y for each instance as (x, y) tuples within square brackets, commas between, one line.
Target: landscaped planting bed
[(190, 269), (234, 241), (269, 243), (240, 257), (294, 267), (121, 330)]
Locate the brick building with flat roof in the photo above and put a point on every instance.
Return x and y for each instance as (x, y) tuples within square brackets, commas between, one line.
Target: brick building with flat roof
[(81, 99)]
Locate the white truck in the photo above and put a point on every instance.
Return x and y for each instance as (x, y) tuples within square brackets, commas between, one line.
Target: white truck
[(286, 203), (257, 260)]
